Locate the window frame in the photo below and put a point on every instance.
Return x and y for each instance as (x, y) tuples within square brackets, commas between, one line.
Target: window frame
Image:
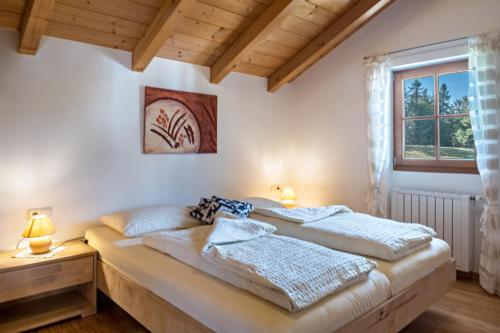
[(425, 165)]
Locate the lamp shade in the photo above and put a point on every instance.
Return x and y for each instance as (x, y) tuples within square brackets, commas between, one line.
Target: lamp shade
[(38, 226), (288, 197)]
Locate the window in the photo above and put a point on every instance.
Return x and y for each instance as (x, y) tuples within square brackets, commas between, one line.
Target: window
[(432, 129)]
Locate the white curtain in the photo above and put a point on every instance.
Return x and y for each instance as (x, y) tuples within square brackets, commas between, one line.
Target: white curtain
[(378, 94), (484, 66)]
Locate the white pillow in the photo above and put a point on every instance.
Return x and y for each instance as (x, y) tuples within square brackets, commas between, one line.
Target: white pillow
[(259, 202), (139, 221)]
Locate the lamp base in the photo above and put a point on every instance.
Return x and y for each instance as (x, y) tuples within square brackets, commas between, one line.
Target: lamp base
[(40, 244)]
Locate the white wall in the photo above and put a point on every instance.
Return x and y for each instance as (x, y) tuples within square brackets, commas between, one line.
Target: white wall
[(330, 106), (70, 136)]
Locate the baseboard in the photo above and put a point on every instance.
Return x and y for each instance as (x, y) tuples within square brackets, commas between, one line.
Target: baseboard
[(468, 275)]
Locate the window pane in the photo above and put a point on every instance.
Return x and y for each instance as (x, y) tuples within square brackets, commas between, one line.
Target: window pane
[(419, 97), (456, 138), (453, 92), (419, 139)]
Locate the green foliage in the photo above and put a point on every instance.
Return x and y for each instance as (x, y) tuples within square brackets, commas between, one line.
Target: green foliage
[(418, 101), (454, 132), (444, 99)]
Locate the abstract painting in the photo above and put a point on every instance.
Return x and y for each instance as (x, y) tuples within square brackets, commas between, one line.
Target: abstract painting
[(179, 122)]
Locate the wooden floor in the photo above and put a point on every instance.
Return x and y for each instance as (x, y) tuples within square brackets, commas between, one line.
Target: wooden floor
[(466, 308)]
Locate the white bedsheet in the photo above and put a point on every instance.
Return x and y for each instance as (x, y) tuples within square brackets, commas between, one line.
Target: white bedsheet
[(220, 306), (406, 271)]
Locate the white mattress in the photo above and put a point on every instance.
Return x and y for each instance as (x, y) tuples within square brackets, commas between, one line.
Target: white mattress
[(404, 272), (222, 307)]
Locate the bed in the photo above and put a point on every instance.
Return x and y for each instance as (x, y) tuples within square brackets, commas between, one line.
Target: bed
[(406, 271), (164, 295), (402, 272)]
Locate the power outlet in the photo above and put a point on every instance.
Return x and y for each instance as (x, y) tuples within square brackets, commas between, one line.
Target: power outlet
[(275, 188), (47, 211)]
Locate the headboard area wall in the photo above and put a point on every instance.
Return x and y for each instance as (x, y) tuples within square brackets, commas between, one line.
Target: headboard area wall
[(71, 131)]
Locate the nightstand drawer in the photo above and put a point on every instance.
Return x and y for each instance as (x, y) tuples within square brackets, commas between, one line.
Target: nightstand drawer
[(45, 277)]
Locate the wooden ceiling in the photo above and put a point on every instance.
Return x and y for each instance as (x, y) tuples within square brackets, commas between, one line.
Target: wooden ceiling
[(277, 39)]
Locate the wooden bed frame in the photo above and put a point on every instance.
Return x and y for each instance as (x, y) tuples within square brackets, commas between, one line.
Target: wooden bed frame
[(157, 315)]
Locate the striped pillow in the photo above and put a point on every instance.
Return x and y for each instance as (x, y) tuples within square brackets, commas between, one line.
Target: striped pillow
[(207, 209), (199, 211)]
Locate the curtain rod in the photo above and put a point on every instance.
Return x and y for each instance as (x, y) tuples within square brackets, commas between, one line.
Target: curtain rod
[(418, 47)]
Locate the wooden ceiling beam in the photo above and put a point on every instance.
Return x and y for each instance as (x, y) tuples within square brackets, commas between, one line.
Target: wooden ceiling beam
[(356, 17), (268, 21), (33, 25), (170, 14)]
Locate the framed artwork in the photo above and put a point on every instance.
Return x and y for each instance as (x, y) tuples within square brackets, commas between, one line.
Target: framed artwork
[(179, 122)]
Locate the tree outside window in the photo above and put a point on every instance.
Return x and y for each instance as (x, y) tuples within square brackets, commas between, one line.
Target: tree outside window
[(432, 128)]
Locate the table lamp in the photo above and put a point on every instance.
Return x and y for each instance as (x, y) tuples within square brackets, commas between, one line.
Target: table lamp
[(38, 230), (288, 197)]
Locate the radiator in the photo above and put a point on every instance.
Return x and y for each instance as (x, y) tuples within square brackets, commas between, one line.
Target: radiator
[(451, 215)]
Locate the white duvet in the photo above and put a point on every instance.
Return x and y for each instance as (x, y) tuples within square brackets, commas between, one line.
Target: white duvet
[(288, 272), (302, 215), (351, 232)]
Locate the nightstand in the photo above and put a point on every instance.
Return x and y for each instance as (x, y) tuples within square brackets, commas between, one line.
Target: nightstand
[(40, 291)]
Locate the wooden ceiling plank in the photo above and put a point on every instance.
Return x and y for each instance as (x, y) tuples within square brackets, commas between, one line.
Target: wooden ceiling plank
[(123, 9), (33, 25), (315, 14), (186, 42), (94, 21), (9, 20), (248, 8), (190, 56), (90, 36), (170, 14), (13, 6), (268, 21), (335, 34), (337, 7), (207, 31), (276, 50), (150, 3), (266, 2), (253, 69), (301, 27), (287, 38), (220, 17), (264, 60)]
